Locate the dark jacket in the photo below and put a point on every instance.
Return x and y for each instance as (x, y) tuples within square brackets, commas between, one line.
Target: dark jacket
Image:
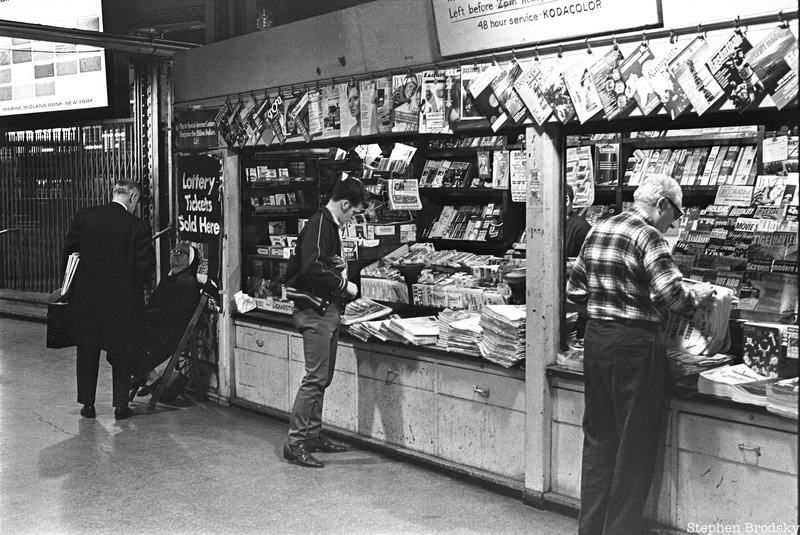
[(169, 311), (116, 258), (317, 266), (575, 233)]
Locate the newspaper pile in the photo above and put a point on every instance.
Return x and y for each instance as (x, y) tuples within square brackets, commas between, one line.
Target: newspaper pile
[(420, 331), (782, 398), (445, 319), (682, 364), (503, 339)]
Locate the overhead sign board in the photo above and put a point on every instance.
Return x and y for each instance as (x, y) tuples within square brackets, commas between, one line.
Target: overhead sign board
[(42, 76), (466, 26)]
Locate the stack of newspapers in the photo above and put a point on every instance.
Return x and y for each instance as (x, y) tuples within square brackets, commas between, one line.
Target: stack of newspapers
[(466, 335), (720, 381), (420, 331), (782, 397), (503, 339), (445, 319)]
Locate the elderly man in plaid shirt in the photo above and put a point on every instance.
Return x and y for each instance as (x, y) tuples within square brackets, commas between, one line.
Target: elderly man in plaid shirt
[(627, 279)]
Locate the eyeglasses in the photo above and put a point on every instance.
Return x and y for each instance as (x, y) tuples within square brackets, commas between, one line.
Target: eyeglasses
[(677, 212)]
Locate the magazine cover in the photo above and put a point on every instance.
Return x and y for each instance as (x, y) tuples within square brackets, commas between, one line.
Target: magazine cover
[(222, 120), (432, 107), (236, 127), (637, 86), (349, 109), (580, 175), (257, 124), (688, 69), (607, 161), (297, 116), (383, 104), (369, 114), (555, 91), (315, 112), (786, 91), (733, 73), (467, 105), (607, 75), (452, 96), (484, 98), (405, 102), (768, 58), (664, 85), (579, 82), (275, 118), (331, 119), (503, 87), (527, 87), (246, 111), (500, 169)]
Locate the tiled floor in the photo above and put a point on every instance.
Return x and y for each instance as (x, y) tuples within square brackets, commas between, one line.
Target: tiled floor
[(204, 468)]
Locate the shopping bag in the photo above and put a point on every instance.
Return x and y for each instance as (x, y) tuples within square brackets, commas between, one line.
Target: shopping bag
[(58, 325)]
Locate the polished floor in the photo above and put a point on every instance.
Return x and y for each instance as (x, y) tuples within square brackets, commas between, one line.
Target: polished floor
[(204, 468)]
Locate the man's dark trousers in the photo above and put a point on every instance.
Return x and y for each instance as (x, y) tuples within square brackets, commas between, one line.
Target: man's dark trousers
[(87, 368), (625, 374)]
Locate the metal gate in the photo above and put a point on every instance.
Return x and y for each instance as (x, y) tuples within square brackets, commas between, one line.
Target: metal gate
[(45, 177)]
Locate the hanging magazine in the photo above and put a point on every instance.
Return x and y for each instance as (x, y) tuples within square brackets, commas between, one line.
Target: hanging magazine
[(772, 60), (733, 73), (452, 97), (432, 108), (383, 104), (369, 111), (349, 109), (688, 69), (275, 117), (295, 116), (637, 86), (406, 102), (503, 87), (331, 125), (582, 91), (469, 112), (555, 91), (484, 98), (315, 112), (527, 87), (664, 85), (607, 75)]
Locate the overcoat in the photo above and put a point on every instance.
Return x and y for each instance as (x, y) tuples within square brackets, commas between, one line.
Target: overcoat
[(116, 259)]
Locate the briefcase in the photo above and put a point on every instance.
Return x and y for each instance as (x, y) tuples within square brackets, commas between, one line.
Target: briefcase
[(58, 325)]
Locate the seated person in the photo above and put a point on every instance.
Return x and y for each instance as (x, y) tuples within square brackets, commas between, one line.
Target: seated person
[(167, 314)]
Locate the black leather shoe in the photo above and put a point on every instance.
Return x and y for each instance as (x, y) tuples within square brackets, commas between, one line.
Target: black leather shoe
[(88, 411), (325, 445), (136, 383), (149, 389), (120, 413), (299, 454)]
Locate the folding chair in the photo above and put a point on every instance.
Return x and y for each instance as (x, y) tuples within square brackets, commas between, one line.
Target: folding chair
[(166, 376)]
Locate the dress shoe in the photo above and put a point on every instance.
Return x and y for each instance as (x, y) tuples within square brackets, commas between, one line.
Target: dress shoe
[(149, 389), (324, 444), (88, 411), (299, 454), (120, 413)]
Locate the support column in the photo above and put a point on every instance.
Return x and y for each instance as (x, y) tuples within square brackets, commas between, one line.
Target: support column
[(231, 258), (545, 268)]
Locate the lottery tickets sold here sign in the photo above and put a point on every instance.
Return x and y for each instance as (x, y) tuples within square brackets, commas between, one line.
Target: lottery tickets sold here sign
[(199, 203), (465, 26)]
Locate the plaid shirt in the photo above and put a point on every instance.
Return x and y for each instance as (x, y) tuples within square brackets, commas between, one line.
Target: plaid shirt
[(626, 271)]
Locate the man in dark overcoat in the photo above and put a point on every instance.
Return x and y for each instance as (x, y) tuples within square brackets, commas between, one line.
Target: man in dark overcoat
[(116, 259)]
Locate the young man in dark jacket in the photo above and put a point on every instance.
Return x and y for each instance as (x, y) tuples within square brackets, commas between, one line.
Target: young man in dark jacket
[(319, 271)]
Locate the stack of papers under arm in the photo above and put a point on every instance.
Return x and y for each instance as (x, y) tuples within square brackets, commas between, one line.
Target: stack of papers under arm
[(69, 272), (419, 331), (682, 364), (465, 335), (503, 339), (718, 382), (782, 398), (707, 332), (444, 319)]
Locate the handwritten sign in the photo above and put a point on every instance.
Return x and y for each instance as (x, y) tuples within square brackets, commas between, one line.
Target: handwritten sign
[(465, 26), (199, 203)]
